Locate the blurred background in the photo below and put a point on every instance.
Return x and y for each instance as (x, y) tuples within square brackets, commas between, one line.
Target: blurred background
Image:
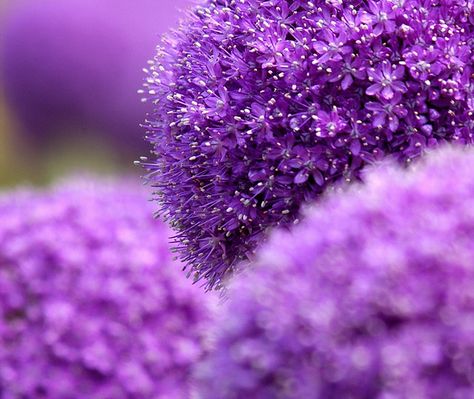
[(69, 75)]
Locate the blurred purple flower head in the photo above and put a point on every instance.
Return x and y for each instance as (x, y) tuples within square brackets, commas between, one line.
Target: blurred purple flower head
[(370, 297), (261, 105), (91, 304), (78, 63)]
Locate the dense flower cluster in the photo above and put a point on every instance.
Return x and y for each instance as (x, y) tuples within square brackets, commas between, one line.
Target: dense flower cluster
[(369, 297), (91, 305), (260, 105), (77, 64)]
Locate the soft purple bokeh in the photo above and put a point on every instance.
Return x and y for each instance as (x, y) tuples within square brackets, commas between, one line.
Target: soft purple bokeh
[(91, 303), (78, 64), (263, 105), (371, 296)]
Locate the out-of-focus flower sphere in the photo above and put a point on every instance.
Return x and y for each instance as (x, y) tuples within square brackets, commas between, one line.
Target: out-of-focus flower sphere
[(370, 297), (91, 304), (76, 65), (260, 105)]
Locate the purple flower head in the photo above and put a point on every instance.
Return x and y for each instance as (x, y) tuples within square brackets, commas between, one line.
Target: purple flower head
[(77, 64), (91, 304), (369, 297), (262, 105)]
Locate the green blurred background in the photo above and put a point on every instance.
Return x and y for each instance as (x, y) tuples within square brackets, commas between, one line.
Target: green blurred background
[(23, 164), (77, 148)]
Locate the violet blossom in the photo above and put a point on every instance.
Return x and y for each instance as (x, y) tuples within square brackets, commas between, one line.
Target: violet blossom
[(263, 105), (91, 303), (369, 297)]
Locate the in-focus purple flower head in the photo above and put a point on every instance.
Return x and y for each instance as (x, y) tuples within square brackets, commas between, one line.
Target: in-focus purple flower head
[(262, 105), (369, 297), (91, 303), (77, 64)]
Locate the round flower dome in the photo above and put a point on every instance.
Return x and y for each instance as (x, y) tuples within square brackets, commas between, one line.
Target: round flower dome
[(369, 297), (91, 303), (262, 105)]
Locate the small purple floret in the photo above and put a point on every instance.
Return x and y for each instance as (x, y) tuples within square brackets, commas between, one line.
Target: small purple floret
[(262, 105)]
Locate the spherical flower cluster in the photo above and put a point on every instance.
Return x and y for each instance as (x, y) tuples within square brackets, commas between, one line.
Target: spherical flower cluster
[(75, 66), (91, 305), (369, 297), (261, 105)]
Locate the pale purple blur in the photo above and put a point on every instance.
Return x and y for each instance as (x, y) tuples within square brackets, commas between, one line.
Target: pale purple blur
[(76, 65)]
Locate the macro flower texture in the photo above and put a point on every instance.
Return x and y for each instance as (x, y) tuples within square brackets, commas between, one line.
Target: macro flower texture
[(261, 106), (73, 67), (91, 303), (370, 296)]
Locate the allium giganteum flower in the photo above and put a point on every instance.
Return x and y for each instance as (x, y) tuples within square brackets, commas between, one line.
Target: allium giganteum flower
[(370, 297), (261, 105), (91, 305)]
